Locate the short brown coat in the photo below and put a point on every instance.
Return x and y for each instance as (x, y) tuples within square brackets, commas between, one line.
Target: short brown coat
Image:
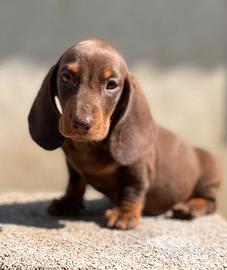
[(111, 141)]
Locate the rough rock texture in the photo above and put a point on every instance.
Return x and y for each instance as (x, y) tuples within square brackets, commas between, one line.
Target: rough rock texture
[(30, 239)]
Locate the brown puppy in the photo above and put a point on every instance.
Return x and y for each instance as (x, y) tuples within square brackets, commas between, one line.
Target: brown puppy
[(111, 142)]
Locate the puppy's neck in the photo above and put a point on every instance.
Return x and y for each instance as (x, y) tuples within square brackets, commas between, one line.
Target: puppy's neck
[(86, 144)]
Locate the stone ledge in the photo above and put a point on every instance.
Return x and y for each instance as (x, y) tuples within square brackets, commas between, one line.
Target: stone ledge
[(30, 239)]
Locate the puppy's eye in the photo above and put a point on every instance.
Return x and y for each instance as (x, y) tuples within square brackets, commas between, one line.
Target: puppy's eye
[(111, 85), (66, 76)]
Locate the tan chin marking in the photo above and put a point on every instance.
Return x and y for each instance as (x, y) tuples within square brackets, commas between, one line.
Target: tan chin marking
[(62, 129), (83, 138), (99, 133), (96, 133)]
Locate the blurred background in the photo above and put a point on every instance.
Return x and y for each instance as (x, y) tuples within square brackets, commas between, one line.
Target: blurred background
[(176, 48)]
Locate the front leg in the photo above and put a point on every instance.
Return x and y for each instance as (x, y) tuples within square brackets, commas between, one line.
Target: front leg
[(133, 181), (71, 203)]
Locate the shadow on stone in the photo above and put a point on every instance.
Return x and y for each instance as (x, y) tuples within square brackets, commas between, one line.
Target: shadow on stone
[(34, 214)]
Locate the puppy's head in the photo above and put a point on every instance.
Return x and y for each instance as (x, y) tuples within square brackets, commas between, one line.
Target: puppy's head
[(90, 80), (94, 91)]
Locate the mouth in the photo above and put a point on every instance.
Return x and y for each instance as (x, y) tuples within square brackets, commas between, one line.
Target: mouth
[(94, 135)]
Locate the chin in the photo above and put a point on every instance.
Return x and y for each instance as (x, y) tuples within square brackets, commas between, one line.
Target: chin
[(96, 135)]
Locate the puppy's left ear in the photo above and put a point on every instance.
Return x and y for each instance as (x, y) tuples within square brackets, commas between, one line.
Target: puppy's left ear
[(134, 132)]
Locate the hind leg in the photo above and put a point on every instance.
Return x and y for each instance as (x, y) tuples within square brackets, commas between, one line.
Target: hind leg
[(203, 200), (193, 208)]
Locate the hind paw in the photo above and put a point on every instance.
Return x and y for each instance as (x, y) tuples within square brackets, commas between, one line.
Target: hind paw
[(193, 208)]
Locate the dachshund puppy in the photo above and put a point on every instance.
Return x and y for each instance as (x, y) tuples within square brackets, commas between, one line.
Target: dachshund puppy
[(111, 142)]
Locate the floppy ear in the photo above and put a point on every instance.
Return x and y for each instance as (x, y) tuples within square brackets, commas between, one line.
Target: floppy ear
[(134, 132), (44, 116)]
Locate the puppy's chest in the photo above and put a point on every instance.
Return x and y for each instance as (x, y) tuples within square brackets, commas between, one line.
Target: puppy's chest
[(90, 159)]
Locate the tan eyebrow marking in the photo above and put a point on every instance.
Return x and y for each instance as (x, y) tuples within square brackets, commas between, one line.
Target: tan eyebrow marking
[(73, 67), (107, 73)]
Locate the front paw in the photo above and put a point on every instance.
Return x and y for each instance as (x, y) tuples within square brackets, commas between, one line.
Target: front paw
[(119, 219), (64, 206)]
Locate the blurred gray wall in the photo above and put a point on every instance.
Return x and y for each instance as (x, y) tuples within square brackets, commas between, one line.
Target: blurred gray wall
[(165, 32)]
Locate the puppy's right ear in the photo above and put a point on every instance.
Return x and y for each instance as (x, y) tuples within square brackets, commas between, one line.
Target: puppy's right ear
[(44, 117)]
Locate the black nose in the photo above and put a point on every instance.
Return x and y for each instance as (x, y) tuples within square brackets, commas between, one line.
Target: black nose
[(81, 124)]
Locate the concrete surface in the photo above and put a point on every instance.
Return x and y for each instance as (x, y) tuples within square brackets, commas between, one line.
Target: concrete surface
[(30, 239)]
